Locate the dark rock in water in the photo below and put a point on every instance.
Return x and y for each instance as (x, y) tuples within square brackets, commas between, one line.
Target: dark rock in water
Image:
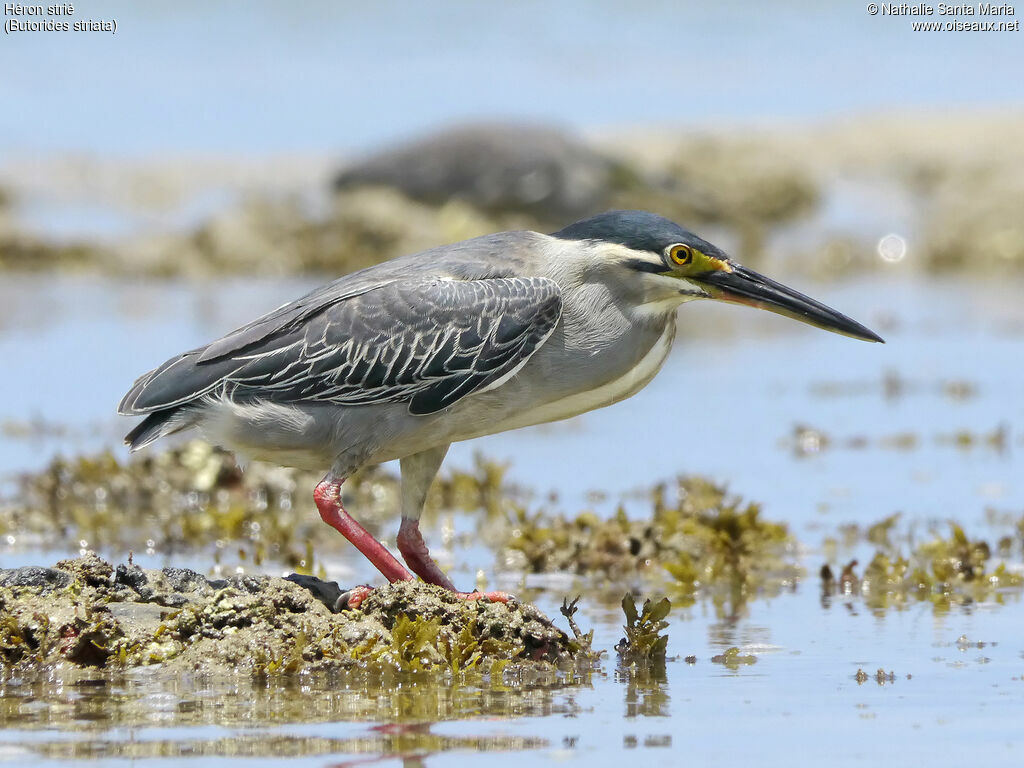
[(131, 576), (34, 576), (134, 578), (498, 168), (327, 592), (185, 580)]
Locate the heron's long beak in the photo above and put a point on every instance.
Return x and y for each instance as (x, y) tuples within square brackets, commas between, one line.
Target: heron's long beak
[(740, 285)]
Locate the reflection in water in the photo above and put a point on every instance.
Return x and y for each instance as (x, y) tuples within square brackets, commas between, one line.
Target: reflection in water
[(646, 693), (105, 706), (411, 745)]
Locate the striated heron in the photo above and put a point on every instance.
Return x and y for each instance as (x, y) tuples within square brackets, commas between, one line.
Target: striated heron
[(402, 359)]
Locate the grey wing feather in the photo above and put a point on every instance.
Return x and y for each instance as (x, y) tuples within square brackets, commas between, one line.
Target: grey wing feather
[(285, 316), (427, 343)]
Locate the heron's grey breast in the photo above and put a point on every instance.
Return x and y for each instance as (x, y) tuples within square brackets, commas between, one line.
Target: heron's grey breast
[(565, 378)]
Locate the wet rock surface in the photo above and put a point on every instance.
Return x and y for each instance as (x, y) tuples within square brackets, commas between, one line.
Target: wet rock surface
[(87, 613)]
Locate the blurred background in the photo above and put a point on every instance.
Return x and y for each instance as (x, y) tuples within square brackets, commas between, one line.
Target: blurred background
[(204, 138)]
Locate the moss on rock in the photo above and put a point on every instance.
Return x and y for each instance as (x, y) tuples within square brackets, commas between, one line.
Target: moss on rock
[(96, 615)]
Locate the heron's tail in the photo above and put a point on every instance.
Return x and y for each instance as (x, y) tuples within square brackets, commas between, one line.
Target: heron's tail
[(159, 424)]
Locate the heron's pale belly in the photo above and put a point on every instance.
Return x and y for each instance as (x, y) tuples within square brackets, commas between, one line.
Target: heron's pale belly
[(611, 392)]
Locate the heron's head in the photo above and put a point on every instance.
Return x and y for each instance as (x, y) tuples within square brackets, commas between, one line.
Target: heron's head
[(673, 263)]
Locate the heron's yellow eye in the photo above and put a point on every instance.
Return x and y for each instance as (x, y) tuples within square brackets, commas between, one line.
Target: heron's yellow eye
[(681, 255)]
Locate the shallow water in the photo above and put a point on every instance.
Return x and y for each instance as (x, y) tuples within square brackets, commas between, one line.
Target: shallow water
[(801, 703), (727, 404)]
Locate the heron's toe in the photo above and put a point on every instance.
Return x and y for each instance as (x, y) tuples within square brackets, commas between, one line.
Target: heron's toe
[(496, 597), (352, 599)]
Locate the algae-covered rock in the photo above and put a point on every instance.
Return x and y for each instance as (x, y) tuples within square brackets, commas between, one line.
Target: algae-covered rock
[(26, 252), (944, 570), (35, 576), (707, 540), (97, 615)]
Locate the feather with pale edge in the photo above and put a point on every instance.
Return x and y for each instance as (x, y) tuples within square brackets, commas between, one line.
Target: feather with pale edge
[(426, 343)]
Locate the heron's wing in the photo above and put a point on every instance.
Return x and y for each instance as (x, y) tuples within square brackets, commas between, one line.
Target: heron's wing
[(427, 343)]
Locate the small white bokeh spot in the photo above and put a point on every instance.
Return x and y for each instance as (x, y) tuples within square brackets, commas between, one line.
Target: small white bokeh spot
[(892, 248)]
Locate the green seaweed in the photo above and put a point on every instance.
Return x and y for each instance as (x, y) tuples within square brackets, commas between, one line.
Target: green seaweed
[(734, 659), (881, 677), (583, 643), (724, 540), (942, 570), (707, 541), (644, 642), (414, 643)]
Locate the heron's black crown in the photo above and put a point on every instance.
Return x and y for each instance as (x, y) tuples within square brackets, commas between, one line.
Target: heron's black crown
[(639, 230)]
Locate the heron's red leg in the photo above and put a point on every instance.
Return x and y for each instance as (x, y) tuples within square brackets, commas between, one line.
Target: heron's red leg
[(414, 550), (328, 500)]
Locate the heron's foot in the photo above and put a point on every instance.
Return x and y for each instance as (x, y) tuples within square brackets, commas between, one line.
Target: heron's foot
[(353, 598), (494, 597)]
